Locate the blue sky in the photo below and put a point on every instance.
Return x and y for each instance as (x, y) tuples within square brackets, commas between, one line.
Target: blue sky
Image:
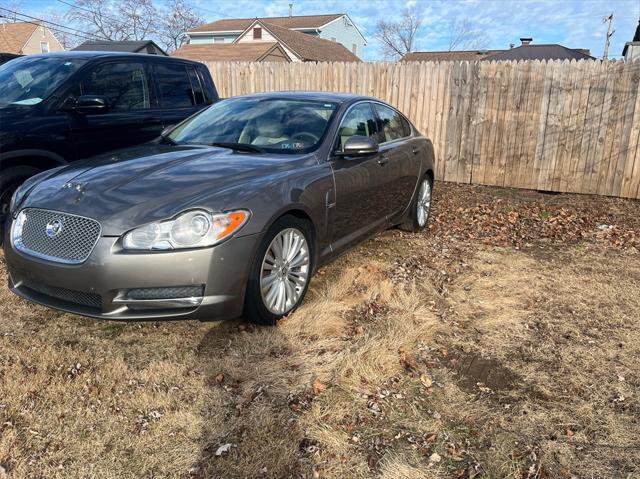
[(573, 23)]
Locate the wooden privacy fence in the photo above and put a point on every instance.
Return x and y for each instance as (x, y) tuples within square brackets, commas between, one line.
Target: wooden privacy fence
[(555, 126)]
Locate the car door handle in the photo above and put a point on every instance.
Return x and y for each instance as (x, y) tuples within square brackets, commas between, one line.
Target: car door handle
[(383, 160), (415, 150)]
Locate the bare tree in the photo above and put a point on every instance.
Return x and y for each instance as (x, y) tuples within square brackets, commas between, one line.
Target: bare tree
[(67, 39), (116, 19), (398, 38), (14, 6), (176, 20), (464, 37)]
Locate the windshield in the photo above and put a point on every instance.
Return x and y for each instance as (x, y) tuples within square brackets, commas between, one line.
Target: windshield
[(29, 80), (270, 124)]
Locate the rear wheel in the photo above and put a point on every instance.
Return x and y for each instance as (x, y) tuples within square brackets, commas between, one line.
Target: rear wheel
[(280, 272), (420, 208)]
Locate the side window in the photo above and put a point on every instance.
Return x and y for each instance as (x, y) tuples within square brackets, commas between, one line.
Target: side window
[(175, 86), (198, 96), (393, 125), (203, 74), (125, 85), (359, 121)]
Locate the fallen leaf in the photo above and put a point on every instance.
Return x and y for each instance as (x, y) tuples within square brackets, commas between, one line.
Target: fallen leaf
[(318, 386), (435, 458), (426, 381), (224, 448), (570, 433), (219, 378)]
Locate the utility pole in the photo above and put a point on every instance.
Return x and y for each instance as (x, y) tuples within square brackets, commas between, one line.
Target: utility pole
[(610, 33)]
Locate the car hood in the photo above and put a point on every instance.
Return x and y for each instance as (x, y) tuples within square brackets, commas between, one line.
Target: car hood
[(128, 188)]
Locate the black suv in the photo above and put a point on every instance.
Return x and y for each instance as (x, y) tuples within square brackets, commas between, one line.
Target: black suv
[(60, 107)]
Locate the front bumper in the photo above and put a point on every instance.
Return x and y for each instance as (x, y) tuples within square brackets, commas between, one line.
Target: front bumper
[(99, 287)]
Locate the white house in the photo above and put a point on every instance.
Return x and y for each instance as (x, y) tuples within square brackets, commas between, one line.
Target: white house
[(337, 27)]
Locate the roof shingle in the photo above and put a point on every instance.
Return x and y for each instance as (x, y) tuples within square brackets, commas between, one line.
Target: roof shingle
[(523, 52), (230, 52), (310, 48), (13, 36), (240, 24)]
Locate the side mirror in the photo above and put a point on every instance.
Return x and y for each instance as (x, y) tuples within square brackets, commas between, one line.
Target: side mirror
[(359, 146), (87, 104)]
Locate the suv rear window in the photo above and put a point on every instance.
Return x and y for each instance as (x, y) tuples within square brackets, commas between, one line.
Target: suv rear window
[(175, 86)]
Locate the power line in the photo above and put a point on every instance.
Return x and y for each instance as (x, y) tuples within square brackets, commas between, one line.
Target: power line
[(90, 11), (60, 28), (54, 29)]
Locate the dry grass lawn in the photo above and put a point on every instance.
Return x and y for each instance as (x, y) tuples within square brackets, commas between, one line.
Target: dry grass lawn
[(414, 356)]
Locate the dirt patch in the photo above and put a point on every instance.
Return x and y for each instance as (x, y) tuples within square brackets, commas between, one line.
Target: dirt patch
[(478, 373)]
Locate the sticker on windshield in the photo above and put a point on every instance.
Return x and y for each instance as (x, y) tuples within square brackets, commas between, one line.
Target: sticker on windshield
[(293, 146), (23, 77)]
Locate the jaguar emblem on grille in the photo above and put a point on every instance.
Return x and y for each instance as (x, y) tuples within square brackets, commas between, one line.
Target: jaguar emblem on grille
[(54, 228)]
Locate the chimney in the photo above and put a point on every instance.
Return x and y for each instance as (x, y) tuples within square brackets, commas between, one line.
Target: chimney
[(291, 9), (526, 41)]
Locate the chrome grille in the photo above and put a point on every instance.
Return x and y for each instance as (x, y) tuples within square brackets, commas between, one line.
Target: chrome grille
[(91, 300), (55, 236)]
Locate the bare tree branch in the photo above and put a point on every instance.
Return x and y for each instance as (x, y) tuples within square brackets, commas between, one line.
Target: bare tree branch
[(462, 36), (398, 38), (116, 20), (176, 20)]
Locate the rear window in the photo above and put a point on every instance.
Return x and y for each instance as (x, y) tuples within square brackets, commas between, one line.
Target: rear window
[(207, 84), (394, 126), (198, 96), (175, 86)]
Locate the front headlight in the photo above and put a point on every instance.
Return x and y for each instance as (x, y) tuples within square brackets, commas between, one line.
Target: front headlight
[(191, 229)]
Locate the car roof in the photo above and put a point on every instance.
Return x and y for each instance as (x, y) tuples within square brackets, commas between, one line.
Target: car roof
[(313, 95), (90, 55)]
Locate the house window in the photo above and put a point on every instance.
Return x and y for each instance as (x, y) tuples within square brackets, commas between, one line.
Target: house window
[(257, 33), (354, 49), (218, 39), (44, 47)]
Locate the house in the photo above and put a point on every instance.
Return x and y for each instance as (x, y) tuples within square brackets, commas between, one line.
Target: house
[(237, 52), (262, 41), (336, 27), (631, 49), (23, 38), (526, 51), (131, 46)]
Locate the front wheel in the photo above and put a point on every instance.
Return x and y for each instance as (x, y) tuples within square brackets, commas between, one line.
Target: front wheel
[(420, 208), (280, 272)]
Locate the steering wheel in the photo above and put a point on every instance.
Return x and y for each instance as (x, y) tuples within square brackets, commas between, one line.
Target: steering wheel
[(305, 134)]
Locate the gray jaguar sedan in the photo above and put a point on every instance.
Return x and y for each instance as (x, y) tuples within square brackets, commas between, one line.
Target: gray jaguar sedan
[(228, 213)]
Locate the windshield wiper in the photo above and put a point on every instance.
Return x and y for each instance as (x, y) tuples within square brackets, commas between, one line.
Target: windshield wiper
[(238, 146)]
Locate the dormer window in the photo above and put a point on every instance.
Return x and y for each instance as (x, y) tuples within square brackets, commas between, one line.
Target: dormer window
[(257, 33)]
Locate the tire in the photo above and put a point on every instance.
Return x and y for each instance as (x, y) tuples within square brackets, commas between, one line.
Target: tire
[(10, 180), (283, 279), (420, 208)]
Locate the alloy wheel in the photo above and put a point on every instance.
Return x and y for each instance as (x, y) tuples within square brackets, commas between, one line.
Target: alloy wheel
[(424, 202), (285, 271)]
